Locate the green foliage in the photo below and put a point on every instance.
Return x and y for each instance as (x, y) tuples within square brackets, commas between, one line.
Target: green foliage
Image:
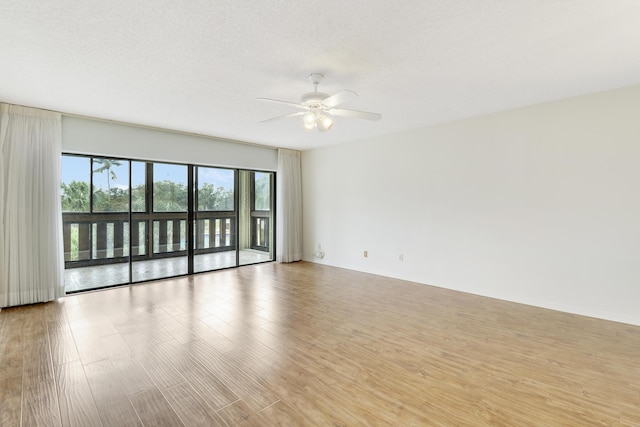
[(112, 200), (214, 199), (75, 196), (138, 198), (168, 197), (263, 190)]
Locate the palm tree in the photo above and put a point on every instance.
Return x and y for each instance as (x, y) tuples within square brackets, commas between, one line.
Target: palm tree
[(106, 165)]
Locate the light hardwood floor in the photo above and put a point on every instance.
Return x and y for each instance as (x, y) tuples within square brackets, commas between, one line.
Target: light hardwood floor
[(309, 345)]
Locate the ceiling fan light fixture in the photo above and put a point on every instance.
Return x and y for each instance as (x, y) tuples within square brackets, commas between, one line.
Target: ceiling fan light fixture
[(309, 117), (325, 123), (309, 120)]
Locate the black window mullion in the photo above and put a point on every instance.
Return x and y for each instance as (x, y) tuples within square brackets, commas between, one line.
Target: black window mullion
[(130, 225), (191, 208), (148, 196), (236, 214)]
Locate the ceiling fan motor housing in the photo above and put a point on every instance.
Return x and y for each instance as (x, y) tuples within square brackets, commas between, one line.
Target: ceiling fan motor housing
[(313, 98)]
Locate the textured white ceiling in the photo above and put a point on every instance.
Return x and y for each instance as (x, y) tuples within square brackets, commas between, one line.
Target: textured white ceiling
[(198, 66)]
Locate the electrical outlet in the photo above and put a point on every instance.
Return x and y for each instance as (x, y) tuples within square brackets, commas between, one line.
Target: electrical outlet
[(366, 254), (401, 257)]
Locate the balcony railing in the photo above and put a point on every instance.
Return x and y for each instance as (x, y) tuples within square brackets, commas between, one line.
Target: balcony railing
[(105, 238)]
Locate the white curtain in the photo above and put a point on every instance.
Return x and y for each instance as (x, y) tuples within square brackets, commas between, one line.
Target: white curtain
[(289, 207), (31, 249)]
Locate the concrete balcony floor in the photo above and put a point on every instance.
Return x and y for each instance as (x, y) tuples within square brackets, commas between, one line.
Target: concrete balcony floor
[(86, 278)]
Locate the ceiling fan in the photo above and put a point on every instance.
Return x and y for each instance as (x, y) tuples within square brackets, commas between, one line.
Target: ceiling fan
[(318, 108)]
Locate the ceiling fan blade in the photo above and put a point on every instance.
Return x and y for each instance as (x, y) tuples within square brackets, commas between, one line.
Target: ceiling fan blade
[(354, 114), (298, 113), (339, 98), (283, 102)]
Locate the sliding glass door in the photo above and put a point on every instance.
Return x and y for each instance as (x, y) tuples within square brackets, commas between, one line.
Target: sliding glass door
[(95, 202), (256, 218), (164, 222), (215, 216), (130, 221)]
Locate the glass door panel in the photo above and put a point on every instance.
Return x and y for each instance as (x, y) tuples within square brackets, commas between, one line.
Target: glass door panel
[(161, 231), (139, 209), (256, 219), (215, 219), (95, 204), (110, 225)]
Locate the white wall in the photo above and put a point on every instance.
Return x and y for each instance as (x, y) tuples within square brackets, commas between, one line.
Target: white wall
[(539, 205), (85, 136)]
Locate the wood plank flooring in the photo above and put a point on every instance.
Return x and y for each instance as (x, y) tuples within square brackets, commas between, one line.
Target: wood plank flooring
[(310, 345)]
